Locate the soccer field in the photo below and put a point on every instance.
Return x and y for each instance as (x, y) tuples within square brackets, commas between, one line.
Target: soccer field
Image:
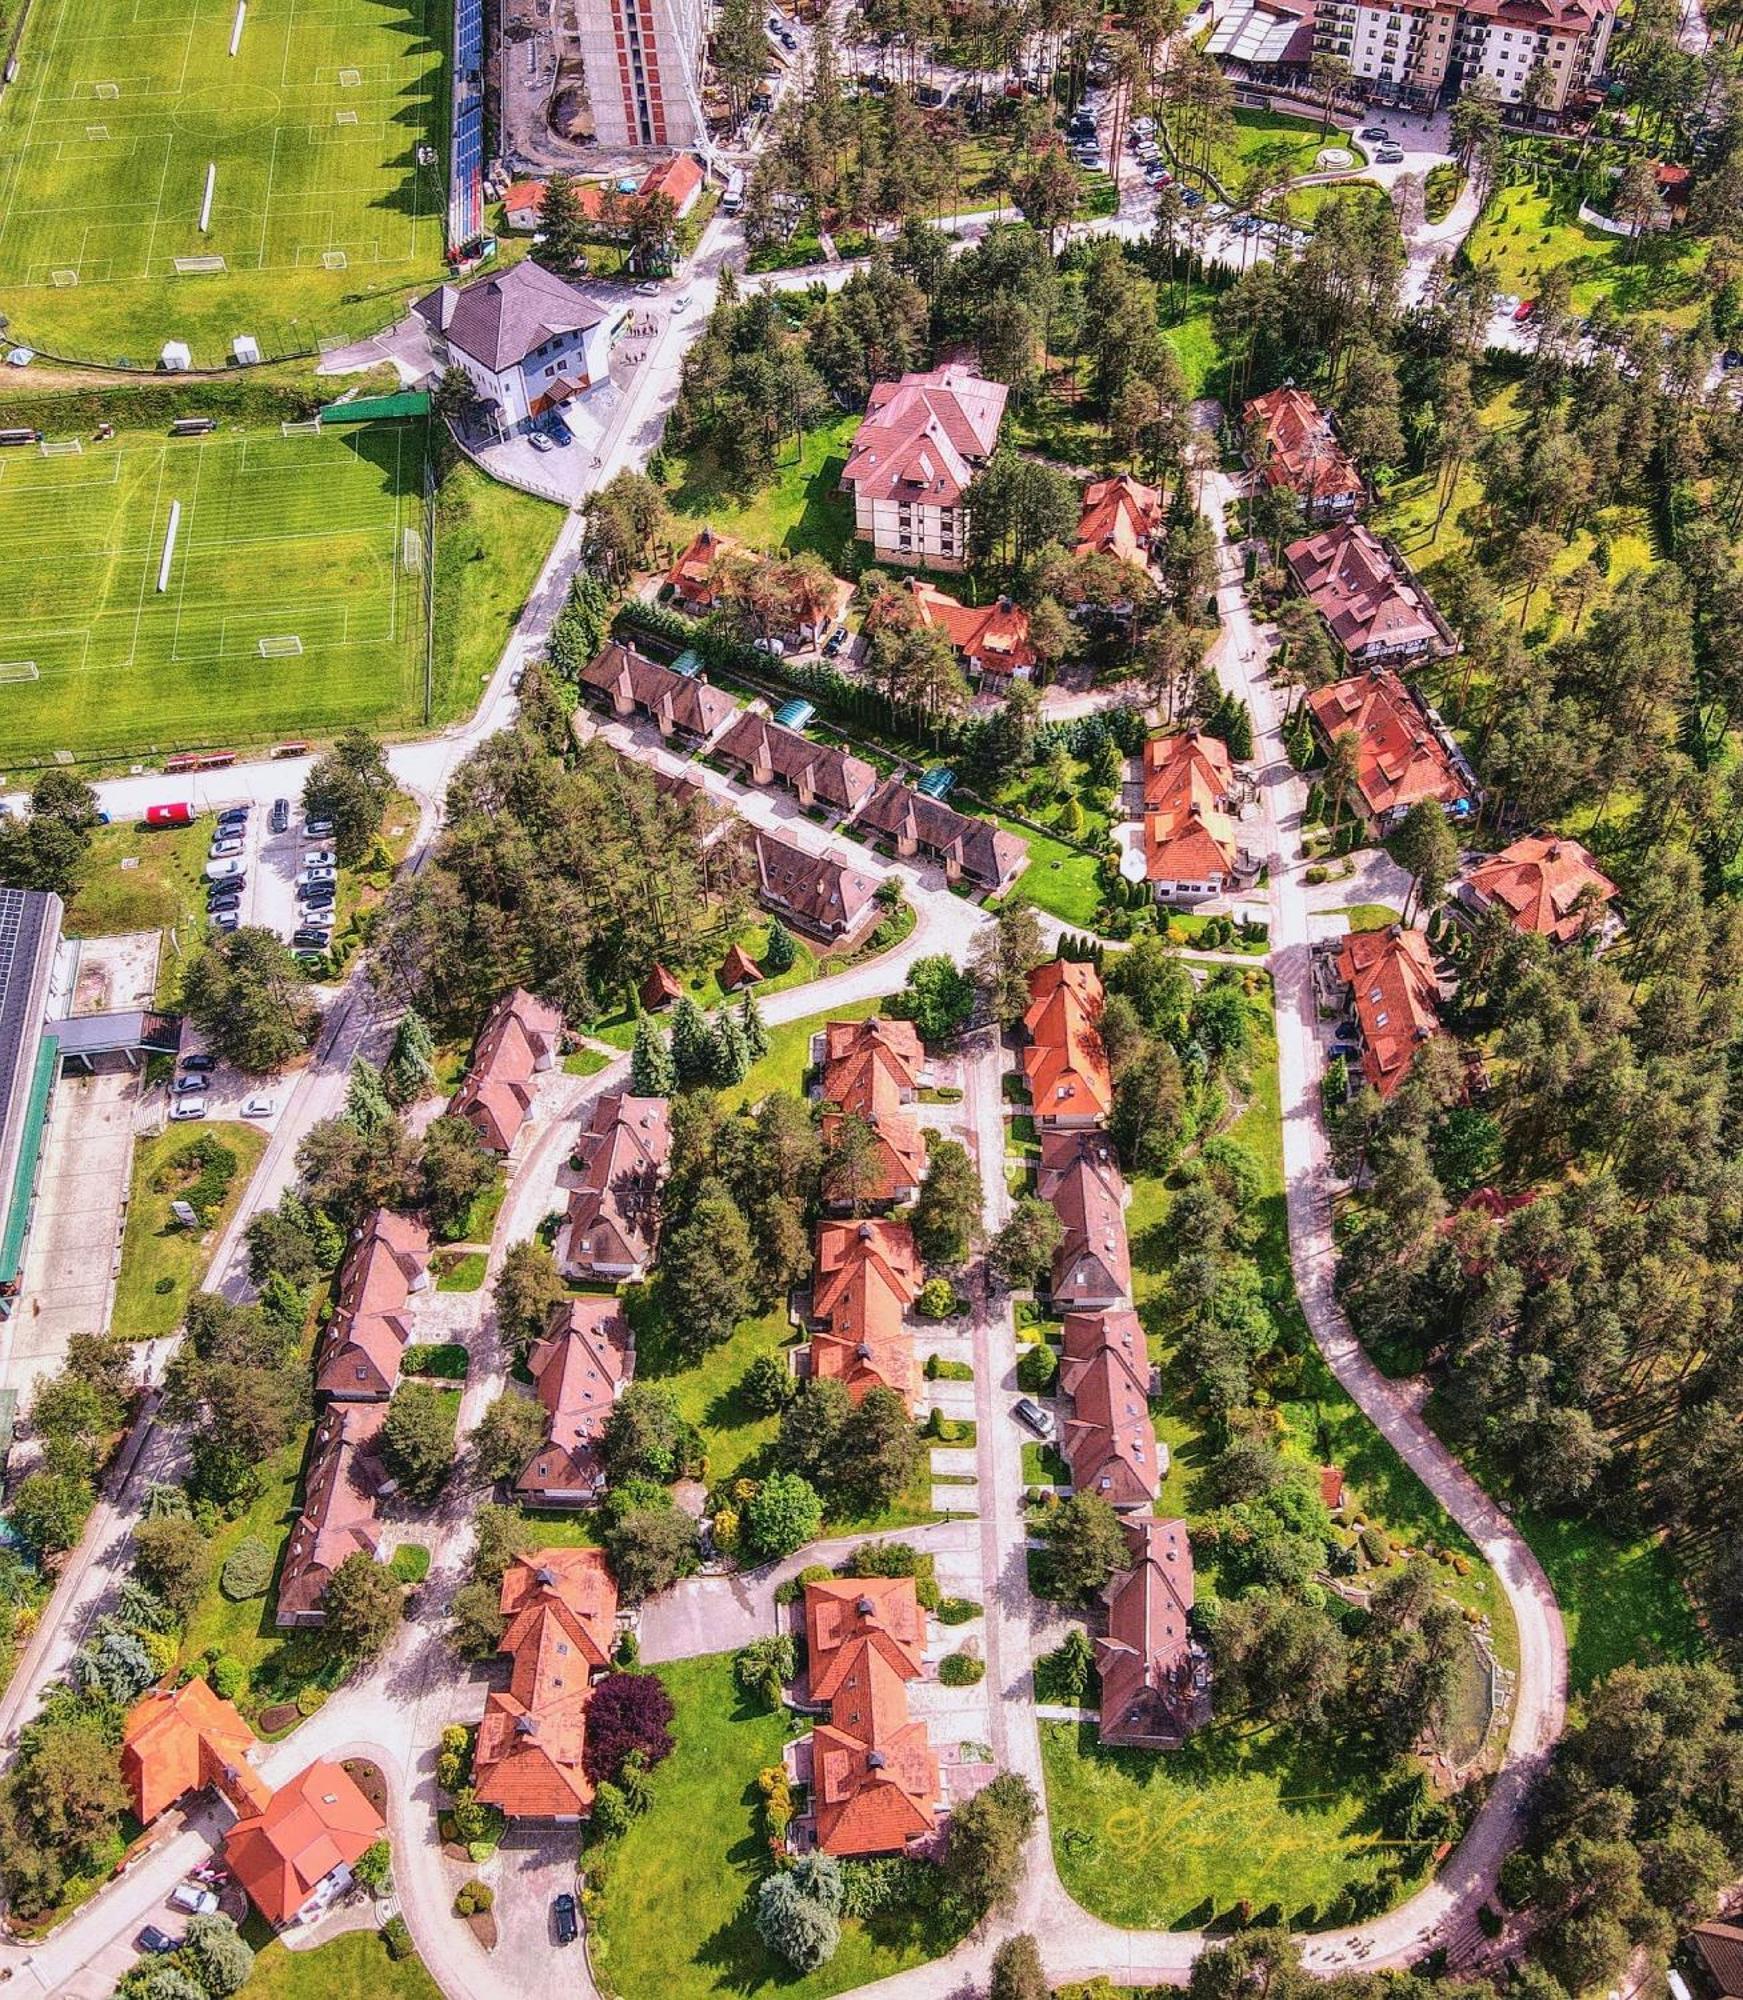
[(122, 112), (291, 604)]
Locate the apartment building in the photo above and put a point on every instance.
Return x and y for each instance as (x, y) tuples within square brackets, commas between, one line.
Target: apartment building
[(1419, 51), (913, 459), (644, 60)]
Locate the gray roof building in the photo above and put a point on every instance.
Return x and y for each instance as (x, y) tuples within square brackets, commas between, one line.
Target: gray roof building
[(500, 320), (30, 930)]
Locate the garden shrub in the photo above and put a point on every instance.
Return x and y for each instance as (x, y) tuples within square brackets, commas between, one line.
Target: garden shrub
[(961, 1670), (1037, 1366), (410, 1562), (310, 1698), (228, 1676), (397, 1937), (247, 1570), (957, 1610)]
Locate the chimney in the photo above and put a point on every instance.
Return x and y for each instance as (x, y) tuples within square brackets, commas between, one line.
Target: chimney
[(864, 1607), (874, 1760)]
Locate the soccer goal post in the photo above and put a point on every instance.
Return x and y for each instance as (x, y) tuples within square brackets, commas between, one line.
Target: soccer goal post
[(19, 670), (61, 448), (309, 429), (281, 646)]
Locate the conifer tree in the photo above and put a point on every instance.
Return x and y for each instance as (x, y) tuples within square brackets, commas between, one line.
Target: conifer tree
[(651, 1073), (756, 1035), (692, 1045)]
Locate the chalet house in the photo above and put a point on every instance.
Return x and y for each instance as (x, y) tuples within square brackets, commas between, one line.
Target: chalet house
[(560, 1607), (1109, 1441), (1299, 450), (612, 1226), (1120, 517), (1154, 1676), (737, 969), (522, 1038), (1547, 885), (1191, 842), (913, 458), (659, 989), (295, 1856), (358, 1354), (1401, 756), (1373, 607), (1065, 1064), (969, 849), (1080, 1180), (823, 895), (871, 1071), (867, 1275), (1393, 987), (991, 640), (1717, 1951), (183, 1739), (341, 1484), (693, 576), (817, 774), (579, 1369), (870, 1770), (681, 705), (524, 338)]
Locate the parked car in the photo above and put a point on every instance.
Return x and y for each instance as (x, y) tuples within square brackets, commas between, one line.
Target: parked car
[(647, 289), (153, 1940), (227, 920), (187, 1107), (681, 302), (227, 865), (539, 441), (564, 1920), (199, 1065), (322, 871), (1375, 132), (1731, 358), (223, 846), (188, 1086), (1388, 156), (1523, 311), (316, 897), (318, 857), (834, 643), (278, 820), (259, 1107), (317, 829), (1030, 1413), (306, 937)]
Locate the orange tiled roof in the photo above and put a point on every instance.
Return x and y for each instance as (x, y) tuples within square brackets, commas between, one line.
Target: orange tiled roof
[(1189, 833), (922, 438), (1399, 759), (1080, 1179), (692, 575), (317, 1823), (867, 1275), (1065, 1063), (677, 179), (1301, 448), (992, 638), (1397, 999), (358, 1354), (1540, 882), (178, 1740), (1357, 591), (871, 1070), (1120, 517)]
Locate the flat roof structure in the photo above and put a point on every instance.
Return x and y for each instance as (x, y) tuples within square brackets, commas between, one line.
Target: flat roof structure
[(30, 930)]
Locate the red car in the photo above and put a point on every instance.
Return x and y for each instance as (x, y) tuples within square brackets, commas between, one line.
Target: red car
[(1526, 308)]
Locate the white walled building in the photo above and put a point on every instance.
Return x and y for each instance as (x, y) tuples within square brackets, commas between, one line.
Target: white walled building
[(1420, 51), (525, 338), (916, 451), (643, 60)]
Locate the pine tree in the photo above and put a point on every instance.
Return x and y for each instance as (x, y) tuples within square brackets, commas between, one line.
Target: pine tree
[(366, 1102), (756, 1036), (411, 1069), (562, 228), (650, 1062), (692, 1045), (729, 1056), (782, 949)]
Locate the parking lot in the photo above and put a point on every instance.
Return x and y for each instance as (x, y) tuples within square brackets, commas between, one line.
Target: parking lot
[(274, 864)]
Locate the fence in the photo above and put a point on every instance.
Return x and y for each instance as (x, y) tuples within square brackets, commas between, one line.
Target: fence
[(509, 475), (429, 569)]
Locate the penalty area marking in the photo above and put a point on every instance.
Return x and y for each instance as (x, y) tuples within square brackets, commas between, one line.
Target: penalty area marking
[(169, 544), (206, 205), (281, 646), (236, 31), (18, 670)]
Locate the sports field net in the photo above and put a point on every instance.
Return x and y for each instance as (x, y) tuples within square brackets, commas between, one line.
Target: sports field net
[(60, 448), (411, 550), (281, 646), (18, 670), (309, 429)]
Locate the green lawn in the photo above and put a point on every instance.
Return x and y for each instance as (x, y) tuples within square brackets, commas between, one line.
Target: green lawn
[(460, 1270), (155, 1247), (1368, 916), (353, 1967), (707, 1391), (1194, 343), (802, 509), (704, 987), (320, 213), (1058, 878), (585, 1062), (1523, 233), (491, 542), (142, 878), (676, 1917), (1294, 143), (783, 1068)]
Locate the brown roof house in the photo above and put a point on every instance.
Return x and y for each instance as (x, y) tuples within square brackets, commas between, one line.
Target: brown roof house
[(1300, 450), (561, 1611), (823, 894), (340, 1487), (1154, 1675), (867, 1275), (180, 1740), (871, 1071), (357, 1357), (1374, 609), (817, 774), (968, 848), (579, 1369), (629, 683), (694, 576), (1080, 1179), (295, 1856), (737, 969), (1070, 1083), (913, 458), (1718, 1952), (613, 1223), (1396, 995), (871, 1771), (521, 1038), (990, 640), (1401, 754), (1546, 885), (1109, 1440)]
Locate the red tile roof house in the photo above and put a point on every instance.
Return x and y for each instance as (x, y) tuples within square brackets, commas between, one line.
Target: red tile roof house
[(1120, 517), (1080, 1180), (1547, 885), (1154, 1676), (561, 1608), (1299, 449), (612, 1227), (294, 1857), (871, 1070), (1401, 756), (968, 848), (522, 1038), (357, 1356), (579, 1369), (1396, 994), (340, 1486), (991, 640), (817, 774), (822, 894), (180, 1740), (1191, 841), (682, 705), (1109, 1440), (1065, 1064), (867, 1275), (693, 576), (917, 449), (1373, 606), (871, 1771)]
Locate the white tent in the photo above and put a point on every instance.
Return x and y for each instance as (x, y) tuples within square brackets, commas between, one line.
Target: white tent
[(175, 356), (246, 350)]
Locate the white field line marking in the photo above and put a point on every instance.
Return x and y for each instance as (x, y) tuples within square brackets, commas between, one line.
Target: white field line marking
[(169, 544)]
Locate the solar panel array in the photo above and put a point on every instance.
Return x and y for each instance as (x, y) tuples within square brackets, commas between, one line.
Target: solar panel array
[(466, 205), (24, 935)]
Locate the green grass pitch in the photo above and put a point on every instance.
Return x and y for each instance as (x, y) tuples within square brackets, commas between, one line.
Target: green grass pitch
[(320, 212), (296, 541)]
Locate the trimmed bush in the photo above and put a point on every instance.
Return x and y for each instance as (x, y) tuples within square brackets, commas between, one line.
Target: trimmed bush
[(474, 1897), (1037, 1366), (228, 1677), (957, 1611), (310, 1698), (247, 1570), (410, 1562), (961, 1670), (397, 1938)]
